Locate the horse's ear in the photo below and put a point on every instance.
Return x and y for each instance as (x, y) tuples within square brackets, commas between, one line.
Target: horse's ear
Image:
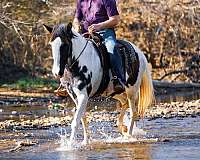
[(49, 29), (69, 27)]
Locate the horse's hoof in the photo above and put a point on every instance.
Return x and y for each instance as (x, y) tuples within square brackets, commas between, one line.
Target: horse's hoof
[(85, 142), (123, 129), (137, 132), (71, 143)]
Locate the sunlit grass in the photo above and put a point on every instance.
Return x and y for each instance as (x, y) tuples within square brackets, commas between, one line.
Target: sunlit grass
[(29, 83)]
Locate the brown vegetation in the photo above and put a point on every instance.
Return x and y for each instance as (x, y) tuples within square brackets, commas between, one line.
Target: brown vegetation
[(167, 31)]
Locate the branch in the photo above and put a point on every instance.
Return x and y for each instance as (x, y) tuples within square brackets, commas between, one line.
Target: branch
[(18, 33), (173, 72)]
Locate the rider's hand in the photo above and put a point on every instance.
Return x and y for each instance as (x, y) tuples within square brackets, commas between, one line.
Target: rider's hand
[(94, 28)]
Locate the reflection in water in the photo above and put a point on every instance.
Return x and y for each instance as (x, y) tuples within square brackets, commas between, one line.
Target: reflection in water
[(178, 96), (106, 151), (137, 151)]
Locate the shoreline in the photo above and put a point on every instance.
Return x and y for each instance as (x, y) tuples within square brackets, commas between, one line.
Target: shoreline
[(162, 110), (166, 110)]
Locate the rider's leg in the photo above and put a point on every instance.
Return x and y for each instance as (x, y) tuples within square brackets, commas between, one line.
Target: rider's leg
[(115, 59)]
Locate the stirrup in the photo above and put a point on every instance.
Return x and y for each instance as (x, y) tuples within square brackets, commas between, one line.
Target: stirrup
[(118, 82), (118, 86), (62, 92)]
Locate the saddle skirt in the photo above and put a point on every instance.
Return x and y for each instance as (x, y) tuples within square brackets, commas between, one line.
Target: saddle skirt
[(129, 57)]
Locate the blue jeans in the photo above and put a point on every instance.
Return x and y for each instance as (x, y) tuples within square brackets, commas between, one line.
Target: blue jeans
[(115, 59)]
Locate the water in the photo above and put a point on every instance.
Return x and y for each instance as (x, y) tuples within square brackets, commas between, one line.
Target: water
[(181, 135), (178, 96)]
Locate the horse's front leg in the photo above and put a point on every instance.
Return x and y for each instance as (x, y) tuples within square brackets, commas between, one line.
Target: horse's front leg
[(82, 100), (85, 126)]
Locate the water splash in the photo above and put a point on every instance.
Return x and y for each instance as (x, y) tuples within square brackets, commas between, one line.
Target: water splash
[(137, 131), (66, 144), (104, 133)]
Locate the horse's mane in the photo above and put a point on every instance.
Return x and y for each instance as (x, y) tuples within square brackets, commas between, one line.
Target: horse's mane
[(63, 31)]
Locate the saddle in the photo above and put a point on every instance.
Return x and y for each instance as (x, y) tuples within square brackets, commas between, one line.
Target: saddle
[(128, 55), (130, 61)]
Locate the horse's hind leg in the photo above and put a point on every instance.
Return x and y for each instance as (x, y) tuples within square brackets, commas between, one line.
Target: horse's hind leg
[(120, 122), (132, 98), (123, 105)]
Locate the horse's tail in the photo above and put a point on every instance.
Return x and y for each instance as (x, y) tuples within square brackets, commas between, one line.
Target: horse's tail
[(146, 92)]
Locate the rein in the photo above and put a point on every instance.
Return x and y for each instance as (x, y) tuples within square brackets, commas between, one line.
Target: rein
[(79, 55)]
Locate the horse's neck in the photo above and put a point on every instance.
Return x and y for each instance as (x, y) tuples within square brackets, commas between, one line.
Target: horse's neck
[(78, 44), (84, 50)]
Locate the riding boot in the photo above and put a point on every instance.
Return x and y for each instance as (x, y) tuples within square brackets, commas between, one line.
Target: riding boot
[(117, 72), (118, 85)]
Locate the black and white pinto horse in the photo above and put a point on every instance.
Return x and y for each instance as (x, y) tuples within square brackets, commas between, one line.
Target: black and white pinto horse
[(77, 64)]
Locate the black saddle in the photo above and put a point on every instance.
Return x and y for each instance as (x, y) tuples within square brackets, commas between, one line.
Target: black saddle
[(130, 61)]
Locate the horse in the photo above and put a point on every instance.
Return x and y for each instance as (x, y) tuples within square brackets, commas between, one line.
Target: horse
[(78, 65)]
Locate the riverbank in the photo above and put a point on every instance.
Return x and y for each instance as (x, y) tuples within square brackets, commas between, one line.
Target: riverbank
[(63, 117), (24, 107)]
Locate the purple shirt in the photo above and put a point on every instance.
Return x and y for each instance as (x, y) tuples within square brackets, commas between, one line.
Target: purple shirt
[(95, 11)]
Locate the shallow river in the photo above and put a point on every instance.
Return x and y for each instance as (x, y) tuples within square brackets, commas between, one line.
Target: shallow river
[(181, 141), (183, 136)]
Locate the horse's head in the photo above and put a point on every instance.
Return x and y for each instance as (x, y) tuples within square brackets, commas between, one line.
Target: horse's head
[(61, 44)]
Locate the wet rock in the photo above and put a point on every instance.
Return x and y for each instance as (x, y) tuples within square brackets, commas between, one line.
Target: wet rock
[(14, 112), (161, 110), (25, 143), (174, 109), (164, 140), (28, 135)]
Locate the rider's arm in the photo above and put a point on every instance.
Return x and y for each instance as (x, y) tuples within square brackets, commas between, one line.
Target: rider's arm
[(110, 23), (113, 14), (78, 16), (76, 25)]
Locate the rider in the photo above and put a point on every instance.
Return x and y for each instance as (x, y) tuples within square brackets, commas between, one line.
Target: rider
[(102, 16)]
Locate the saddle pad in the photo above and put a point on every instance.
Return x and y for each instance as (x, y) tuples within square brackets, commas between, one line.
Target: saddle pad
[(130, 61)]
